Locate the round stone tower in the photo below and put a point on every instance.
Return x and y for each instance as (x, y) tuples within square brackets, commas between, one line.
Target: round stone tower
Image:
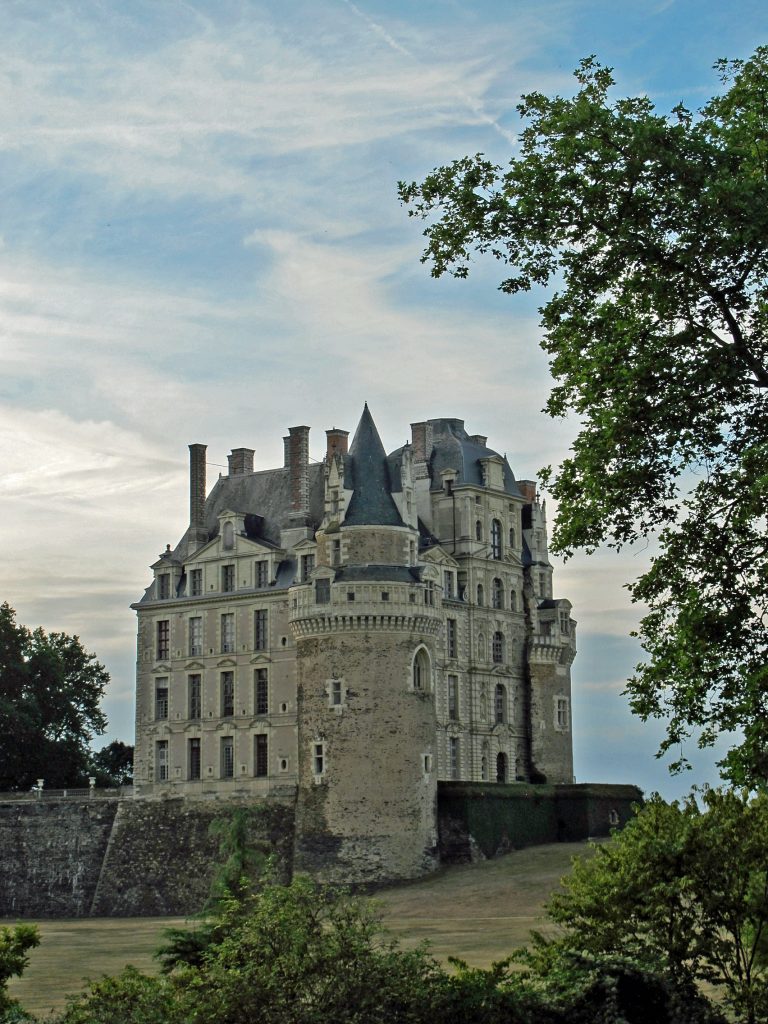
[(365, 625)]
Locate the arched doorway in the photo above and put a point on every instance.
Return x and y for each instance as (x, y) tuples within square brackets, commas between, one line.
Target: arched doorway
[(501, 768)]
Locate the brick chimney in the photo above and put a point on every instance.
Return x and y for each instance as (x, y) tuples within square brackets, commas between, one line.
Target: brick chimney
[(297, 461), (528, 489), (197, 533), (337, 442), (240, 461), (421, 439)]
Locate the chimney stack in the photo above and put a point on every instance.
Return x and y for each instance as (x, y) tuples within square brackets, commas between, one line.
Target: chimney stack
[(528, 489), (297, 460), (240, 461), (421, 439), (197, 534), (337, 442)]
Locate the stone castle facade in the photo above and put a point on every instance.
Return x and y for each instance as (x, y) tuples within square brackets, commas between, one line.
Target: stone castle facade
[(348, 633)]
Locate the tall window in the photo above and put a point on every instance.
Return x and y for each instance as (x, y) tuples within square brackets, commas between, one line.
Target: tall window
[(163, 639), (453, 756), (484, 763), (562, 713), (195, 582), (195, 704), (261, 572), (260, 756), (478, 530), (501, 768), (161, 698), (323, 591), (448, 585), (227, 757), (421, 670), (497, 594), (336, 552), (164, 586), (227, 694), (450, 638), (193, 758), (496, 539), (336, 694), (260, 691), (227, 578), (500, 704), (429, 594), (161, 760), (453, 697), (565, 622), (513, 600), (228, 633), (307, 567), (260, 630), (498, 648), (318, 758), (512, 538), (196, 635), (480, 595)]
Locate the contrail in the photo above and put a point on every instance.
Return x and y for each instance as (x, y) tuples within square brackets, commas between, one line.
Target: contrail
[(476, 107)]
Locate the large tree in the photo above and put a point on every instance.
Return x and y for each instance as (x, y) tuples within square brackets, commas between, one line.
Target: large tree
[(652, 229), (681, 890), (50, 694)]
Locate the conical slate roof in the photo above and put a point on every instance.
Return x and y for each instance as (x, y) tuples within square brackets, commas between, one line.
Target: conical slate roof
[(367, 475)]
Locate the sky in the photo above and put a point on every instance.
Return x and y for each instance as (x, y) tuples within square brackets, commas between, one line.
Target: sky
[(200, 241)]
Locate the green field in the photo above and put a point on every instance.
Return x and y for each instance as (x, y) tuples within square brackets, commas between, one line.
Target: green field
[(478, 912)]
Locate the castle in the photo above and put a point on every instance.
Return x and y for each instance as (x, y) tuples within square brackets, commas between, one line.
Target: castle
[(348, 633)]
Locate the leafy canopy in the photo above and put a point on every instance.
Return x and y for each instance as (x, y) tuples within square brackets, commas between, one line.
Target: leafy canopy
[(653, 228), (50, 695), (682, 890)]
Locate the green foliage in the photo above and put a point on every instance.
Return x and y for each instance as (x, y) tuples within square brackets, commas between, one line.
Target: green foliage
[(655, 229), (113, 764), (129, 998), (245, 863), (50, 691), (681, 891), (14, 944)]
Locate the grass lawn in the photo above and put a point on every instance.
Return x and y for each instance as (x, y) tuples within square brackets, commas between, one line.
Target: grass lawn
[(478, 912)]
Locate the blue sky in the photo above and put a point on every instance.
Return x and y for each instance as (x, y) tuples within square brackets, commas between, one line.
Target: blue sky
[(200, 240)]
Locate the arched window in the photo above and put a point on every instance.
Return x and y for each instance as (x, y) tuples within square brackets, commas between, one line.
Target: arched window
[(513, 600), (480, 595), (501, 768), (512, 538), (500, 704), (498, 648), (497, 594), (496, 539), (228, 536), (478, 530), (421, 670)]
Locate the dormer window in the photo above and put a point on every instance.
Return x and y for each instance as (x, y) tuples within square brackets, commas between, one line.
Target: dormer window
[(228, 536), (323, 591), (164, 586), (307, 567)]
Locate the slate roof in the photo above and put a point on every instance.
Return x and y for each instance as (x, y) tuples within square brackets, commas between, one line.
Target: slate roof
[(453, 448), (366, 474)]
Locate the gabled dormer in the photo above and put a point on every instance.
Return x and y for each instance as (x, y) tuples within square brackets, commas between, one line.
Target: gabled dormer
[(168, 572)]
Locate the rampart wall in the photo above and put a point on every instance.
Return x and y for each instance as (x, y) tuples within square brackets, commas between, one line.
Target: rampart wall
[(134, 858)]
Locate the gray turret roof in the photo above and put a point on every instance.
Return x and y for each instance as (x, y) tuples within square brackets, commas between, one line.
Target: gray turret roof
[(453, 448), (366, 474)]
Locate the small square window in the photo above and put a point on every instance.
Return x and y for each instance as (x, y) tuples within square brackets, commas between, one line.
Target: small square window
[(350, 595), (385, 595)]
